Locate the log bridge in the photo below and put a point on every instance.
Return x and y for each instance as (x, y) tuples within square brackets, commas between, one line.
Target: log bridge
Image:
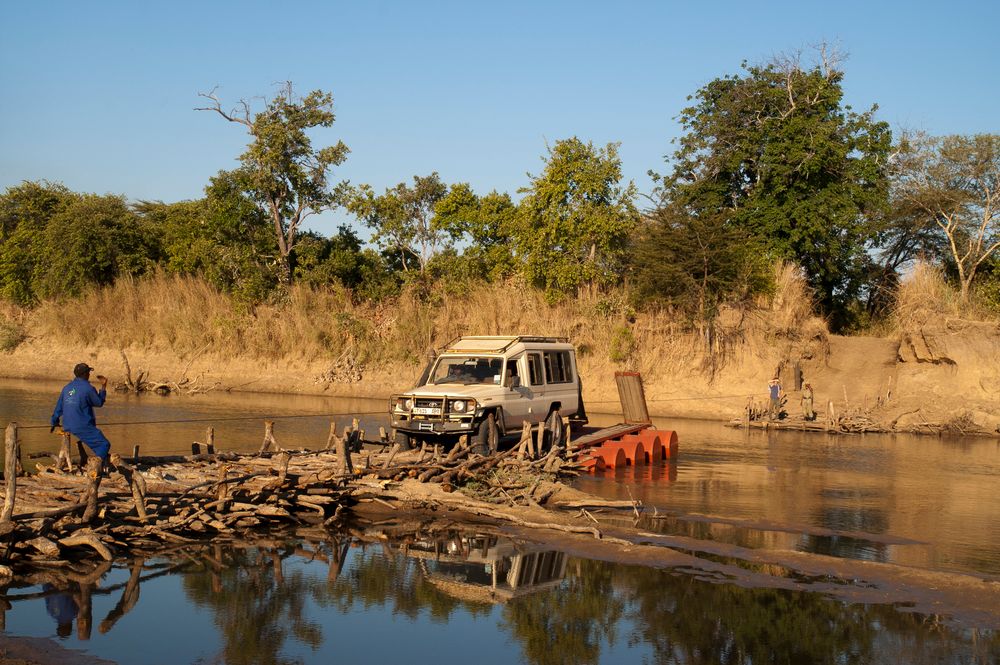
[(74, 510)]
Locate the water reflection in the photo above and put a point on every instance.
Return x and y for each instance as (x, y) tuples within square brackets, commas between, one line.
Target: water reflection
[(395, 591)]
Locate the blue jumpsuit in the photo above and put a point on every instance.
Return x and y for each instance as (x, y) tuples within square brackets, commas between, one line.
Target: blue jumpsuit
[(76, 408)]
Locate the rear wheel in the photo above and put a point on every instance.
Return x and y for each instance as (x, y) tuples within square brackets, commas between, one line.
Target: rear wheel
[(402, 439), (487, 436)]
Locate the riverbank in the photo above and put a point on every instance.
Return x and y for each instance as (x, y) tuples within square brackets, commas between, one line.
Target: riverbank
[(934, 371)]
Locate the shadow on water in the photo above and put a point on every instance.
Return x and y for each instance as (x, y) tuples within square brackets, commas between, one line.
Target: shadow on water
[(383, 592)]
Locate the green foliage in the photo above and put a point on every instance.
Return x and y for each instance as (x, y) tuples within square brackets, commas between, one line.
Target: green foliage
[(574, 219), (285, 177), (56, 243), (695, 264), (622, 344), (11, 335), (403, 219), (775, 152), (486, 224)]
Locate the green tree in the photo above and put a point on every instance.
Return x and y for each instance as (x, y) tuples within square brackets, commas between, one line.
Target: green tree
[(285, 176), (777, 153), (25, 210), (403, 219), (486, 224), (949, 188), (92, 241), (696, 264), (574, 219)]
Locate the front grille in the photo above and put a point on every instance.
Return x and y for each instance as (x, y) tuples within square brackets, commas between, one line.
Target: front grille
[(429, 402)]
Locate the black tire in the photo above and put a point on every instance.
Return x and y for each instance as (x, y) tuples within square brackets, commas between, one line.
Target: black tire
[(487, 437), (402, 439), (555, 434)]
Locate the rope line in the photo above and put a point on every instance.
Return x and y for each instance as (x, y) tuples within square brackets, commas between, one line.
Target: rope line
[(222, 419), (681, 399)]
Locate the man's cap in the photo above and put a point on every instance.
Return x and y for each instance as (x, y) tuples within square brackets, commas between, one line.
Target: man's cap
[(81, 369)]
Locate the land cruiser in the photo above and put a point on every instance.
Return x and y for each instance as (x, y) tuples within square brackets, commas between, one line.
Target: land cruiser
[(487, 387)]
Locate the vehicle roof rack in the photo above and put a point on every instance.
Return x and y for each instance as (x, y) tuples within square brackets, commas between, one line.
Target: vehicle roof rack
[(500, 343)]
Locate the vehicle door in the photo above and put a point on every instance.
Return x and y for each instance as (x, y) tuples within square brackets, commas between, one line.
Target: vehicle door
[(525, 399), (560, 381)]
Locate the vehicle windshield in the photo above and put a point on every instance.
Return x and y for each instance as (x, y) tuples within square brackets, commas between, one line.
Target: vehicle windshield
[(466, 370)]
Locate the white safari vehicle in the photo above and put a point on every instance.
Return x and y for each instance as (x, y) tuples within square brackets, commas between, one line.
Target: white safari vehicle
[(487, 387)]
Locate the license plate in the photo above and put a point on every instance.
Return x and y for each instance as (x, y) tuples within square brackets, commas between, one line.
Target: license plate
[(426, 411)]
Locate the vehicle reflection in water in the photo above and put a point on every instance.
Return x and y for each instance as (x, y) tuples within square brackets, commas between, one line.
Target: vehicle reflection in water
[(485, 568), (392, 592)]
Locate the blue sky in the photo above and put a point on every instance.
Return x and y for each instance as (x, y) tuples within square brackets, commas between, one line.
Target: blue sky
[(100, 95)]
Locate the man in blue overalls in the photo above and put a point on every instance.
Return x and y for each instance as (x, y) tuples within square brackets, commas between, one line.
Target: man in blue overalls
[(76, 408)]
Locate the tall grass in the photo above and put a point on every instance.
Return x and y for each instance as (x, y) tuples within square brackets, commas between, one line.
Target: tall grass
[(925, 296), (185, 316)]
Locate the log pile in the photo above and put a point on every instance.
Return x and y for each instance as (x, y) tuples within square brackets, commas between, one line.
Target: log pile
[(68, 512)]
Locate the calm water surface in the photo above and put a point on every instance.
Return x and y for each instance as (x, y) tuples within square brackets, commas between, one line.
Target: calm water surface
[(433, 593)]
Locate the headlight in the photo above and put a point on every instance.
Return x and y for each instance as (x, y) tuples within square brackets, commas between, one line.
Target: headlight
[(458, 406), (404, 404)]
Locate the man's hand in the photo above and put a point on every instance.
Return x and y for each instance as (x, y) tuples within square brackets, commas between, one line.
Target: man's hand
[(103, 380), (54, 426)]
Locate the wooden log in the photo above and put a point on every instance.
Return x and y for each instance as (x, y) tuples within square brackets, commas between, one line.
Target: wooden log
[(87, 538), (11, 454), (210, 440), (136, 483), (331, 438), (93, 475), (65, 458), (269, 440), (135, 453), (345, 467)]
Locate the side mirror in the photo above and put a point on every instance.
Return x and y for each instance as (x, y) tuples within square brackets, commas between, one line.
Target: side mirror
[(515, 382)]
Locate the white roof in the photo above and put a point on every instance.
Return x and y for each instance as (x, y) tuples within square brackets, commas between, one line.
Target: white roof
[(496, 343)]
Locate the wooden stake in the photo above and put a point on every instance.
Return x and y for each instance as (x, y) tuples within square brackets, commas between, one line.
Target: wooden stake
[(136, 483), (135, 453), (210, 440), (10, 471), (331, 438), (345, 467), (65, 458), (93, 474), (269, 441)]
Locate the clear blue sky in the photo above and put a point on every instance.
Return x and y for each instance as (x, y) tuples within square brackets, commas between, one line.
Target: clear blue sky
[(99, 95)]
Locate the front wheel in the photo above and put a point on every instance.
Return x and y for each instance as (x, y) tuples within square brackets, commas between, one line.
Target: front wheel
[(487, 437), (555, 434)]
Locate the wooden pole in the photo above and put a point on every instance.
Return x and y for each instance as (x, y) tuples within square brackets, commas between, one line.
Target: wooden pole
[(93, 475), (331, 438), (135, 453), (11, 454), (136, 483), (65, 458), (210, 440), (268, 437), (344, 454)]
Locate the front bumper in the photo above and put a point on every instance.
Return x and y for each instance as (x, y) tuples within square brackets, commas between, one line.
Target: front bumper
[(439, 421)]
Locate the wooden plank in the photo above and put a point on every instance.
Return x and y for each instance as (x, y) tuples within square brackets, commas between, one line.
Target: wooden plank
[(632, 397), (602, 435)]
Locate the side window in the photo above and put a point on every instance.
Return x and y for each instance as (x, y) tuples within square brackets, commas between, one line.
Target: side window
[(558, 368), (534, 369), (512, 370)]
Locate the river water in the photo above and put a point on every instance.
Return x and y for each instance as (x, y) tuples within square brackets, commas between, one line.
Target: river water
[(442, 593)]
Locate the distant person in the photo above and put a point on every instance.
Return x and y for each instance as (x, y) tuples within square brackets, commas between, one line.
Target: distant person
[(807, 403), (774, 392), (76, 409)]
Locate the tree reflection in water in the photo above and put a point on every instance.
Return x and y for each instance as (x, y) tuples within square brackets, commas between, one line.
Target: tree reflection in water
[(565, 611)]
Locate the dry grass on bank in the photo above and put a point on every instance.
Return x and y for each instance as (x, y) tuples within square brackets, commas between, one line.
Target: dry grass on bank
[(925, 296), (186, 316)]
